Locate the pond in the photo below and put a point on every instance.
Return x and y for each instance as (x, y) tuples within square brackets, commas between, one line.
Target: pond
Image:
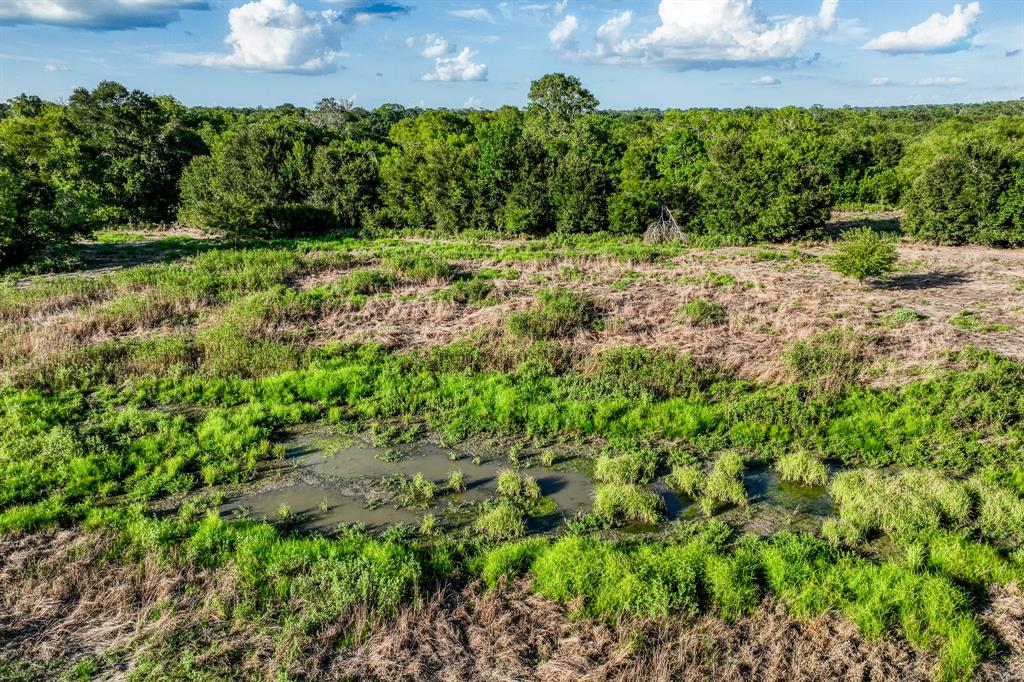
[(331, 481)]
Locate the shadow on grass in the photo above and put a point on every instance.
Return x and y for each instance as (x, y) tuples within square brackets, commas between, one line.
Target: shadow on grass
[(924, 280)]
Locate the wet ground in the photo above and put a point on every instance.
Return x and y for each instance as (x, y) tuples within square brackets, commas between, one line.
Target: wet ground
[(326, 481)]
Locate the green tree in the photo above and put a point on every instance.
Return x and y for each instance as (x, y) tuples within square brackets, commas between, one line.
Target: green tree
[(863, 253)]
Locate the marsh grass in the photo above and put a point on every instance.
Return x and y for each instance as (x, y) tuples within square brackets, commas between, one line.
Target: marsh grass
[(456, 481), (515, 485), (723, 484), (802, 467), (503, 520), (617, 503), (633, 467)]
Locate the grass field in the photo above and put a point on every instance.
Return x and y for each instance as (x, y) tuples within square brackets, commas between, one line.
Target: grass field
[(156, 383)]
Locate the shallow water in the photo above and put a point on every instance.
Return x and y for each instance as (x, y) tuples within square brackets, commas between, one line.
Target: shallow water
[(334, 481)]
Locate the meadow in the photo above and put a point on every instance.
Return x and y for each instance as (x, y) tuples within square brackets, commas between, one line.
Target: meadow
[(156, 379)]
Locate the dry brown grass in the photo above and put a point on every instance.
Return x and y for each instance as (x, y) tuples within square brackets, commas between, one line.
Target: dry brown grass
[(772, 303)]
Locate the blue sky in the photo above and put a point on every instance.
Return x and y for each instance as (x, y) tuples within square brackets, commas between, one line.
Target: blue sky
[(453, 53)]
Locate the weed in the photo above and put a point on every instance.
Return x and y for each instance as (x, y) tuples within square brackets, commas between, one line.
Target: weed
[(429, 526), (828, 360), (514, 485), (902, 317), (968, 321), (420, 268)]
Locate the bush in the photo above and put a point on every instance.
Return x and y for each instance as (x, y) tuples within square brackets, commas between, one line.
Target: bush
[(863, 253), (971, 196)]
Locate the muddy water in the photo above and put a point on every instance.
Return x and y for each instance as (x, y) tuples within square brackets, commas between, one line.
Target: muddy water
[(331, 481)]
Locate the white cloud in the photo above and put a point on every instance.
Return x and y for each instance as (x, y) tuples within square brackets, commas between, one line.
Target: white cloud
[(101, 15), (475, 14), (880, 81), (461, 67), (610, 32), (940, 81), (561, 35), (766, 80), (472, 103), (54, 67), (277, 35), (713, 33), (937, 33), (435, 46)]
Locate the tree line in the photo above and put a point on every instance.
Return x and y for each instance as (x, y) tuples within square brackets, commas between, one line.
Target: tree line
[(113, 156)]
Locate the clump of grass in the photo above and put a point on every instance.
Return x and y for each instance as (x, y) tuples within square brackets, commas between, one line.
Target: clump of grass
[(429, 526), (420, 268), (502, 521), (547, 458), (559, 311), (513, 485), (365, 283), (904, 505), (902, 317), (700, 312), (419, 491), (456, 481), (969, 321), (617, 502), (687, 479), (829, 360), (863, 254), (472, 291), (1000, 511), (633, 467), (802, 467), (724, 484)]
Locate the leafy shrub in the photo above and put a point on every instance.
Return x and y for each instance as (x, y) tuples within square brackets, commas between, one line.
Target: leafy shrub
[(701, 312), (863, 253), (971, 195)]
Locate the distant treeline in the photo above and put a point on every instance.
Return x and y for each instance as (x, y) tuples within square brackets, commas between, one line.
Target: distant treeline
[(112, 156)]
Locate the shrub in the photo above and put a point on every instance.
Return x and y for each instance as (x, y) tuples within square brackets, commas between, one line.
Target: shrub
[(863, 253), (617, 502), (971, 195), (701, 312)]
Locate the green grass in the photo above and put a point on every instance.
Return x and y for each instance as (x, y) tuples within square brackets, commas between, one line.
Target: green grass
[(501, 521), (802, 467), (617, 503), (559, 311), (513, 484), (723, 484), (969, 321), (902, 317), (700, 312)]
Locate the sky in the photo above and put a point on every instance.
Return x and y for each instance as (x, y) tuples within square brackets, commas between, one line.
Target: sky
[(477, 53)]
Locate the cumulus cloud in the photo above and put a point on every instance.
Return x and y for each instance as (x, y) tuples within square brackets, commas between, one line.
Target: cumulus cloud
[(561, 35), (277, 35), (435, 46), (461, 67), (766, 80), (711, 34), (98, 15), (937, 33), (474, 13), (472, 103)]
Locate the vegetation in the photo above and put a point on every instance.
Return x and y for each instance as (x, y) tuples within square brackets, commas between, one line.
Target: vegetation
[(863, 253), (110, 156)]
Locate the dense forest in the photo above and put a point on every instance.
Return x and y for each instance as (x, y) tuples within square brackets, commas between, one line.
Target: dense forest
[(113, 156)]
